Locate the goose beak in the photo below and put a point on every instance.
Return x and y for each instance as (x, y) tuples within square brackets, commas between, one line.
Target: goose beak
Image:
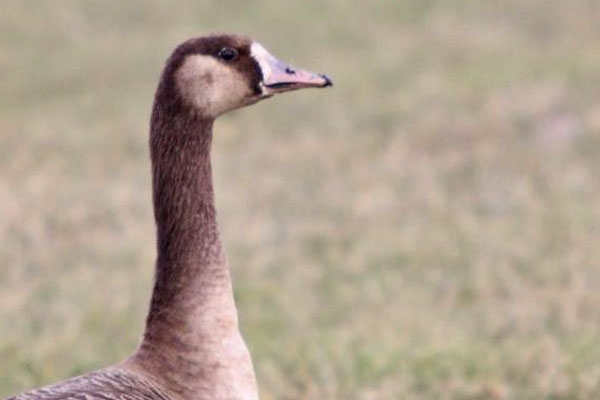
[(286, 78), (279, 77)]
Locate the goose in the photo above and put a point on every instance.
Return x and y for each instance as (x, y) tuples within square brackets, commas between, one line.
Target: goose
[(191, 347)]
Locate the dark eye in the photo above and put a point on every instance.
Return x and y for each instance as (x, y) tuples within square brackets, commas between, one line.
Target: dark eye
[(227, 53)]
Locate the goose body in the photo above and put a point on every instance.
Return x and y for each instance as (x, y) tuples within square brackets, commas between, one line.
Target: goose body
[(191, 347)]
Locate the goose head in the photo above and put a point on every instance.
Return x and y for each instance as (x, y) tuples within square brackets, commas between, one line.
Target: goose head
[(219, 73)]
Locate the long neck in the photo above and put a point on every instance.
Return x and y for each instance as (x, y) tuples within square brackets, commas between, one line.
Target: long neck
[(187, 234), (190, 255), (191, 342)]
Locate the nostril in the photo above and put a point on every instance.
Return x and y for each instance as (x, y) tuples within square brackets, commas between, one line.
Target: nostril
[(290, 70)]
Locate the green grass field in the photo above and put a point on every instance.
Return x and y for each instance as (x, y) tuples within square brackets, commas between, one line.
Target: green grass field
[(427, 229)]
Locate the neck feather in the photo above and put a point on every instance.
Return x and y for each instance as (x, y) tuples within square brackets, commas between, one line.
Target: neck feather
[(191, 341)]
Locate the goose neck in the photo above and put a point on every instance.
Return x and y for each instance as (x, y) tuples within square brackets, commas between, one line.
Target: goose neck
[(193, 319)]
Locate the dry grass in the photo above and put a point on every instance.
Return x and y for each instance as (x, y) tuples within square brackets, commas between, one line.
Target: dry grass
[(427, 229)]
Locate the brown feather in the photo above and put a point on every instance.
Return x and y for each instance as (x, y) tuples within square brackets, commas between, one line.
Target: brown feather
[(192, 348)]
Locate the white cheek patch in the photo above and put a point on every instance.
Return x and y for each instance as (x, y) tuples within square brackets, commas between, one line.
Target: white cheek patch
[(210, 86), (263, 58)]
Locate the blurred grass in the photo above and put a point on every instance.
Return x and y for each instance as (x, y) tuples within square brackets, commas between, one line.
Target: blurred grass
[(426, 229)]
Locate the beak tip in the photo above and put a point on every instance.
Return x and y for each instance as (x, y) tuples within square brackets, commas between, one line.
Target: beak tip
[(328, 81)]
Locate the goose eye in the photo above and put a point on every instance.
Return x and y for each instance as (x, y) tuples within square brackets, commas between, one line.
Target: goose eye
[(227, 53)]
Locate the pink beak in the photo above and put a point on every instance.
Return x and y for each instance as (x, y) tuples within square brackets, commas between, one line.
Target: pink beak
[(280, 77), (284, 78)]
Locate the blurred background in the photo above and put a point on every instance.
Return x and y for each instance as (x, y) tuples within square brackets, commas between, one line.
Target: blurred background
[(427, 229)]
